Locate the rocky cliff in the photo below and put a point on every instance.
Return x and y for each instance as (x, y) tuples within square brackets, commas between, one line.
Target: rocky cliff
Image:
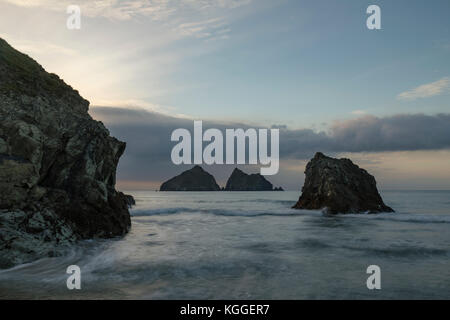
[(339, 186), (240, 181), (195, 179), (57, 165)]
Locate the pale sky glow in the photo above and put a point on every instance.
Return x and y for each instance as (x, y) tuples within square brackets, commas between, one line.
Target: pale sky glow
[(300, 64), (427, 169)]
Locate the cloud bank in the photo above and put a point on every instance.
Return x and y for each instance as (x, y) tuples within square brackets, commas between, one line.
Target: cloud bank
[(147, 134)]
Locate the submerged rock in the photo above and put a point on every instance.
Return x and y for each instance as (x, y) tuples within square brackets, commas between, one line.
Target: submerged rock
[(240, 181), (339, 186), (195, 179), (57, 165)]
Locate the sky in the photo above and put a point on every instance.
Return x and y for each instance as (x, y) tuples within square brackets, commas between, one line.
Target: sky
[(313, 68)]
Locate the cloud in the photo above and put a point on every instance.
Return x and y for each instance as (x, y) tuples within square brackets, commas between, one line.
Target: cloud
[(29, 3), (426, 90), (135, 105), (404, 132), (211, 28), (147, 157), (157, 10), (229, 4), (358, 112), (279, 126), (111, 9), (130, 49), (33, 47)]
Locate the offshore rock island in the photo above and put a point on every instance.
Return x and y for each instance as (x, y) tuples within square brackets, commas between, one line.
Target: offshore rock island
[(240, 181), (195, 179), (57, 165), (339, 186)]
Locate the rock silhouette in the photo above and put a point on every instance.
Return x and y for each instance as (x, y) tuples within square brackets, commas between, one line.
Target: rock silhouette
[(240, 181), (339, 186), (130, 200), (195, 179), (57, 165)]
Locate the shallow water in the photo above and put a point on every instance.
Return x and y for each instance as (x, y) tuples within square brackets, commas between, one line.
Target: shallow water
[(251, 245)]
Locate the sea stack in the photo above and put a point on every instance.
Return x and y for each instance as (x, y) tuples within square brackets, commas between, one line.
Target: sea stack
[(195, 179), (339, 186), (57, 165), (240, 181)]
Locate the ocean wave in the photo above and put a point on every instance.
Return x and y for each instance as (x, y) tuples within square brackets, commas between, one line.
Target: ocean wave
[(387, 251), (162, 211), (404, 217), (288, 212), (402, 251), (289, 203), (364, 248), (220, 212)]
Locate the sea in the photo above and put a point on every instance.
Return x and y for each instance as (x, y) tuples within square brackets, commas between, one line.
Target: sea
[(252, 245)]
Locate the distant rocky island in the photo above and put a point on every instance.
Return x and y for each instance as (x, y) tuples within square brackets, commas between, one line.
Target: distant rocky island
[(57, 165), (197, 179), (339, 186), (240, 181)]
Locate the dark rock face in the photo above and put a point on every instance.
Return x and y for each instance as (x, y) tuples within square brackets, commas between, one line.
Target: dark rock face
[(278, 189), (57, 165), (195, 179), (130, 200), (339, 186), (240, 181)]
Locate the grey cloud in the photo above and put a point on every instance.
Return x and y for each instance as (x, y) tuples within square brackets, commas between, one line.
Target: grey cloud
[(396, 133), (404, 132), (279, 126), (148, 134)]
